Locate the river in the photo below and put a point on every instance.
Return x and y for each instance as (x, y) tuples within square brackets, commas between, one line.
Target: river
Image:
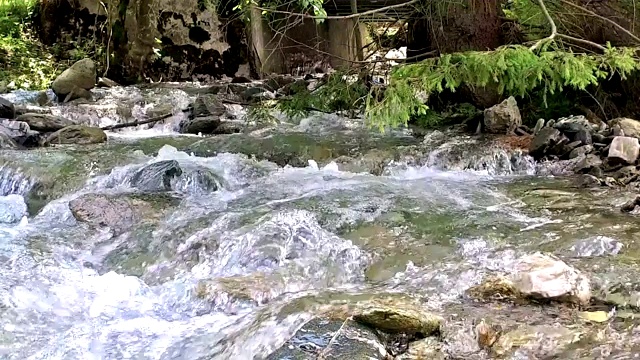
[(237, 253)]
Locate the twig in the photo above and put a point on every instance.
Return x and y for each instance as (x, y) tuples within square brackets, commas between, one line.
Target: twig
[(583, 41), (615, 24), (137, 122), (338, 17)]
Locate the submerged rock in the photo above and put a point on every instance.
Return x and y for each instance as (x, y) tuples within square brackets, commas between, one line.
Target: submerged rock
[(541, 340), (12, 208), (503, 118), (392, 319), (330, 339), (76, 80), (44, 122), (7, 110), (624, 149), (77, 134), (156, 176), (537, 276)]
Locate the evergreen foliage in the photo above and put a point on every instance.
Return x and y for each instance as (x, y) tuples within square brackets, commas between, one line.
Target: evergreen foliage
[(514, 70)]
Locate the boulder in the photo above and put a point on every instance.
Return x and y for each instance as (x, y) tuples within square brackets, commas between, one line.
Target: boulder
[(503, 118), (7, 110), (44, 122), (587, 163), (624, 149), (156, 176), (200, 125), (573, 124), (537, 276), (117, 213), (77, 134), (545, 277), (546, 139), (19, 132), (629, 127), (12, 208), (76, 80)]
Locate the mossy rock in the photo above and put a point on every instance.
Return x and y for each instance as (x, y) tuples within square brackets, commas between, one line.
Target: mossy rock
[(400, 319), (77, 134)]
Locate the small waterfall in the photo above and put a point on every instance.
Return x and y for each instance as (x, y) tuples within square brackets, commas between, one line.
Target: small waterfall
[(14, 182)]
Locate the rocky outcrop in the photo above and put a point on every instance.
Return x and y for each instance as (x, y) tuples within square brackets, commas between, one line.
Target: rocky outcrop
[(503, 118), (77, 134), (7, 110), (76, 81)]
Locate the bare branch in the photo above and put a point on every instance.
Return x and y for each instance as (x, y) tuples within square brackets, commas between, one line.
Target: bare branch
[(554, 29), (615, 24), (339, 17)]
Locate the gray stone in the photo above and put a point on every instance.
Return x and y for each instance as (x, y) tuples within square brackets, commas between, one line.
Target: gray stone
[(584, 136), (545, 140), (616, 130), (538, 127), (156, 176), (200, 125), (331, 339), (44, 122), (629, 127), (12, 208), (596, 246), (80, 76), (106, 82), (588, 181), (580, 151), (503, 118), (624, 149), (19, 132), (6, 142), (573, 124), (117, 213), (7, 110), (545, 277), (77, 134)]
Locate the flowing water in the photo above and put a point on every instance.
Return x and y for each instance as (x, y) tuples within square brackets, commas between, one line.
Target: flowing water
[(231, 264)]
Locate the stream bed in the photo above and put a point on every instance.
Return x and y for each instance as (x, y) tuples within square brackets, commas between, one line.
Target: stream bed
[(160, 246)]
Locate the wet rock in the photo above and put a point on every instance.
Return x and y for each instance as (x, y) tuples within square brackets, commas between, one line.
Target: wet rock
[(630, 205), (587, 163), (328, 339), (624, 149), (7, 110), (20, 133), (6, 142), (12, 209), (588, 181), (428, 348), (503, 118), (537, 276), (584, 136), (44, 122), (580, 151), (198, 181), (77, 134), (545, 277), (596, 246), (200, 125), (76, 80), (629, 127), (546, 139), (406, 320), (119, 212), (573, 124), (156, 176), (541, 341), (627, 174), (106, 82), (256, 288)]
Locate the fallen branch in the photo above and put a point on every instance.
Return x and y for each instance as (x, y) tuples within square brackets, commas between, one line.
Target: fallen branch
[(613, 23), (137, 122), (339, 17)]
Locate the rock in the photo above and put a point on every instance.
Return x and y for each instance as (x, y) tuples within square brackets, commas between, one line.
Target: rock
[(198, 181), (588, 181), (77, 134), (536, 276), (207, 105), (106, 82), (584, 136), (503, 118), (580, 151), (7, 110), (330, 339), (200, 125), (598, 138), (6, 142), (546, 139), (625, 149), (156, 176), (630, 205), (573, 124), (406, 320), (587, 163), (20, 133), (616, 130), (528, 340), (544, 277), (80, 76), (12, 209), (627, 174), (538, 127), (44, 122), (429, 348), (629, 127), (117, 213)]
